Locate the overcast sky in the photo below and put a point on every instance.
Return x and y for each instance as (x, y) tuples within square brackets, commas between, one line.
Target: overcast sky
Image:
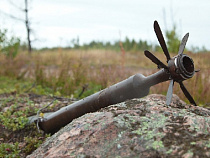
[(57, 22)]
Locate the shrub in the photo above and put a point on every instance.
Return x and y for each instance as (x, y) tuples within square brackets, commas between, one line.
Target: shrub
[(9, 46)]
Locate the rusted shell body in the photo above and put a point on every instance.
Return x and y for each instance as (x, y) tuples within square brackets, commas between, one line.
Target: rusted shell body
[(136, 86)]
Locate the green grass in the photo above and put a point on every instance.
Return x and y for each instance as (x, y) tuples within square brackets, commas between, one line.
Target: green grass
[(12, 85)]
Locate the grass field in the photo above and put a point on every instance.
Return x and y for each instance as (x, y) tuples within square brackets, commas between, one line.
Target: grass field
[(67, 72)]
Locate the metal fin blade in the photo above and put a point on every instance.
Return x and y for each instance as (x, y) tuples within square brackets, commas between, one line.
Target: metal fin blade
[(169, 93), (154, 59), (187, 94), (183, 43), (161, 40)]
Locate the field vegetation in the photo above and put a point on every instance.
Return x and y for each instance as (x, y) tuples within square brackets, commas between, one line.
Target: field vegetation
[(66, 72)]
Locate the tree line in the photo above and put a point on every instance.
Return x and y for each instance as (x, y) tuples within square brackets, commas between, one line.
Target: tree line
[(130, 45), (10, 46)]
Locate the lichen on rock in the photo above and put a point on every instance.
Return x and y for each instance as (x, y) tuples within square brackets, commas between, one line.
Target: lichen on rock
[(143, 127)]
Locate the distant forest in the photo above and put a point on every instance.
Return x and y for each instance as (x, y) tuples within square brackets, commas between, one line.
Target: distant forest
[(13, 44), (127, 44), (172, 38), (131, 45)]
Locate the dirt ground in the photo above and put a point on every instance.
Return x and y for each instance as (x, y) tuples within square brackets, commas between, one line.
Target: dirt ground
[(28, 138)]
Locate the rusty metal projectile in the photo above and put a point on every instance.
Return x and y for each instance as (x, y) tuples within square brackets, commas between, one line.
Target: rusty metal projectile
[(179, 68)]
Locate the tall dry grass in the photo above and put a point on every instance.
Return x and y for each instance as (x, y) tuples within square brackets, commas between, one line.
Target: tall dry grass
[(67, 71)]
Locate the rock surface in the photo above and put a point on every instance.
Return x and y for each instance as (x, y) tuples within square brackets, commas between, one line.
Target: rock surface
[(135, 128)]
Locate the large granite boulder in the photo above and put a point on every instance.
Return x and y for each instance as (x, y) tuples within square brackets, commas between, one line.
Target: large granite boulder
[(136, 128)]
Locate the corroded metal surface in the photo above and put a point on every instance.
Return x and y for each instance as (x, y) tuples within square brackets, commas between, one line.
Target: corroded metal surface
[(136, 86)]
